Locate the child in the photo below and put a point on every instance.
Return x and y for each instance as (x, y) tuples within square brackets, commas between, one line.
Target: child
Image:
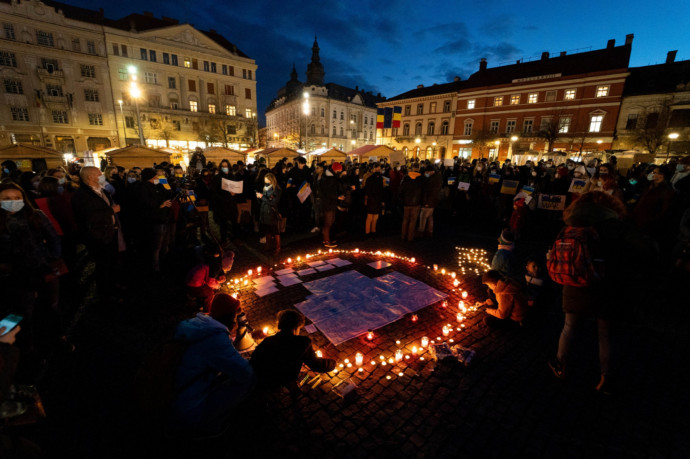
[(534, 282), (512, 303)]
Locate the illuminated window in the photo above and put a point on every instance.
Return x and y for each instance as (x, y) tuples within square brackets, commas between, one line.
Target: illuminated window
[(193, 106), (468, 128), (602, 91), (470, 103), (510, 126), (498, 101), (248, 113), (212, 108), (563, 124), (187, 63), (230, 110), (515, 99), (595, 123), (532, 98), (493, 127), (432, 107), (569, 94)]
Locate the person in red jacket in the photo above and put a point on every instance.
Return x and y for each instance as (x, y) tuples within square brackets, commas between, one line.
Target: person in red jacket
[(512, 302)]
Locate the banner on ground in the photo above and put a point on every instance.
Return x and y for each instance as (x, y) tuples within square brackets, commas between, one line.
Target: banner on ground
[(509, 186), (551, 201), (304, 192), (577, 186), (232, 186)]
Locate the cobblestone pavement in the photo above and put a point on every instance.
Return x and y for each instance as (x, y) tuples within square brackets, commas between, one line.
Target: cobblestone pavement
[(505, 404)]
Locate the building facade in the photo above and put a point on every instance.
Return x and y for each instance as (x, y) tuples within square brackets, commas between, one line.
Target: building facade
[(566, 103), (70, 76), (427, 121), (313, 114), (655, 112)]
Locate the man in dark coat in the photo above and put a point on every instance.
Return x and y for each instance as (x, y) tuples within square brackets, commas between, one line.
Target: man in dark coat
[(299, 211), (154, 209), (431, 193), (94, 213), (411, 195), (373, 197)]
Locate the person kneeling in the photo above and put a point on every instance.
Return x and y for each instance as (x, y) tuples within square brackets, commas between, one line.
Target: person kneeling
[(512, 303), (279, 358)]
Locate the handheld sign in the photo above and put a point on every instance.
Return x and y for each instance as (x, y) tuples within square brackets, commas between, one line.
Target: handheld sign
[(577, 186), (232, 186), (551, 202), (494, 178), (509, 186), (451, 181), (304, 192), (463, 186)]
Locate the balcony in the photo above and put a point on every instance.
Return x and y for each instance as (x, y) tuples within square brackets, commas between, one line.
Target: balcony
[(44, 74), (54, 99)]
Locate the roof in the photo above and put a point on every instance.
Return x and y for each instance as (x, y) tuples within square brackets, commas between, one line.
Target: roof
[(432, 90), (653, 79), (336, 92), (139, 151), (368, 149), (287, 152), (21, 151)]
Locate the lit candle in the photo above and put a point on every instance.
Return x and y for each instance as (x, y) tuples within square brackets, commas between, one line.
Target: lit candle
[(414, 318), (361, 370), (250, 272), (397, 341), (412, 260), (461, 305), (370, 335), (414, 350), (444, 304), (445, 331), (407, 357), (425, 341), (346, 361), (258, 270), (289, 260), (459, 317), (435, 267), (342, 365), (398, 355), (319, 354), (464, 295), (452, 275), (388, 377), (299, 258), (246, 282), (383, 364), (400, 374), (373, 362), (356, 250), (359, 359), (234, 295), (421, 358), (349, 365), (443, 271), (391, 360)]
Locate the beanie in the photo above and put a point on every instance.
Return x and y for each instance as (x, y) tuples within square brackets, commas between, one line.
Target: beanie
[(506, 237), (337, 167), (147, 174), (224, 308)]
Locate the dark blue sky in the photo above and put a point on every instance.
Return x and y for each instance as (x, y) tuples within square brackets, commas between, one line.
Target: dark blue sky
[(392, 46)]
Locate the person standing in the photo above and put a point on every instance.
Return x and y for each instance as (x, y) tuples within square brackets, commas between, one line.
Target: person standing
[(373, 198), (411, 195), (431, 193), (223, 203), (269, 216)]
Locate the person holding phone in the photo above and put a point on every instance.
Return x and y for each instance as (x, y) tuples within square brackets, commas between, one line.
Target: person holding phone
[(269, 216)]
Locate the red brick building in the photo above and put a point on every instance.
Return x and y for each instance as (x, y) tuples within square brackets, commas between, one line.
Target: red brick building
[(566, 103)]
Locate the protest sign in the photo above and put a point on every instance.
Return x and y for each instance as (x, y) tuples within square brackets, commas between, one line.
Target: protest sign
[(577, 186), (551, 201), (396, 157), (232, 186), (509, 186), (464, 186), (304, 192), (528, 189), (451, 181), (494, 178), (449, 162)]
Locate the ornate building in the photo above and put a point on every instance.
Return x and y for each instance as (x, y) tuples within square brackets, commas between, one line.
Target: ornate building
[(315, 114)]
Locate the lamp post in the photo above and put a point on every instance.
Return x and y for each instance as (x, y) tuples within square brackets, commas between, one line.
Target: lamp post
[(513, 139), (498, 147), (305, 110), (671, 137), (124, 126), (135, 92), (416, 150)]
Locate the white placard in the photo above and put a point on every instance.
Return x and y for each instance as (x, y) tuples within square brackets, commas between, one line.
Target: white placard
[(232, 186)]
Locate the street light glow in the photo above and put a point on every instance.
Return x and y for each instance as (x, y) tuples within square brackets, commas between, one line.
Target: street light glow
[(132, 70), (134, 90), (514, 138), (417, 140), (673, 135)]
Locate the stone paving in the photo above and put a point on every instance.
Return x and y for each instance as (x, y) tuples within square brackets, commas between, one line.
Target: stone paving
[(506, 403)]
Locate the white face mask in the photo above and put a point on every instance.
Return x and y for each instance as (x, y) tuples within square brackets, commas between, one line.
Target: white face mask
[(12, 205), (650, 176), (101, 180), (61, 181), (156, 181)]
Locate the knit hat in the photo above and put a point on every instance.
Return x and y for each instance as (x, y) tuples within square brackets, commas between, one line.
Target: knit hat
[(224, 308), (147, 174), (337, 167), (506, 237)]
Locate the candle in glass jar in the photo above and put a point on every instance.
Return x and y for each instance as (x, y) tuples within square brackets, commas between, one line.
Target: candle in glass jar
[(445, 330), (250, 272), (456, 283), (319, 354), (452, 275), (435, 267), (370, 335), (464, 295), (398, 355), (359, 359), (459, 317), (266, 330), (412, 260), (258, 269), (425, 341), (414, 318), (414, 350), (289, 260)]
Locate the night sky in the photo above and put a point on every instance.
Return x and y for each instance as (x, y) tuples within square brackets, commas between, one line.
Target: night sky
[(392, 46)]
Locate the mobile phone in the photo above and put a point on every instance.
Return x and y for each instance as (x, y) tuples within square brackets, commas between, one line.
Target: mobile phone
[(9, 322)]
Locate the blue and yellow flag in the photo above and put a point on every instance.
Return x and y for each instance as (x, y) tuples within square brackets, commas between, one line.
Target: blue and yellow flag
[(165, 183)]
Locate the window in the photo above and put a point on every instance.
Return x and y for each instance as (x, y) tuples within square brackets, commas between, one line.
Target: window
[(248, 113), (229, 90), (123, 50), (342, 115), (212, 108), (444, 128), (231, 129), (595, 123), (527, 126), (446, 106), (224, 69), (249, 74), (420, 109), (88, 71), (408, 109), (172, 83), (44, 38), (231, 70), (129, 122), (342, 132), (468, 128), (152, 55), (95, 119), (154, 100), (91, 95), (19, 113), (193, 106), (9, 31), (214, 69), (533, 98), (569, 94), (406, 130), (154, 123), (187, 63), (510, 126), (631, 122), (210, 88), (545, 123), (550, 96), (122, 74), (144, 54), (13, 86), (8, 59), (515, 99), (174, 105), (494, 126), (498, 101), (173, 59), (176, 125), (230, 110), (432, 107), (54, 90), (244, 73), (563, 124), (418, 129), (323, 112), (59, 116), (602, 91), (335, 130), (335, 114), (431, 127), (191, 85), (207, 66), (116, 47), (166, 58), (151, 77), (247, 93), (90, 47), (49, 64), (76, 47)]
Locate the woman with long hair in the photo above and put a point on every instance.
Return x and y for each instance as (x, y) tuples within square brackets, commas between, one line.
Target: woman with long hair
[(269, 216)]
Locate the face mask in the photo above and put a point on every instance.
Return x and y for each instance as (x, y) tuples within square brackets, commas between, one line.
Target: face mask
[(679, 168), (156, 181), (427, 175), (225, 170), (179, 175), (101, 180), (603, 174), (570, 167), (650, 176), (6, 170), (12, 205), (60, 189), (61, 181), (131, 179)]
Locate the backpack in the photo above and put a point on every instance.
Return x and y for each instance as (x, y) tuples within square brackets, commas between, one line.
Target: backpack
[(573, 259)]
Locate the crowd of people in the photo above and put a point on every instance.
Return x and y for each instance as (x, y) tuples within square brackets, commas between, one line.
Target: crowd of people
[(134, 218)]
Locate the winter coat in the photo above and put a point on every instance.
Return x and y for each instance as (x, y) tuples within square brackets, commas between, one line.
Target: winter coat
[(373, 193), (269, 214), (327, 186), (149, 198), (210, 355), (411, 189), (512, 302), (94, 216), (431, 190)]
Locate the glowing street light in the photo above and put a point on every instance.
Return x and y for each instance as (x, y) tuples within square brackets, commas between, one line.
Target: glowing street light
[(671, 137), (135, 92), (513, 139), (124, 126)]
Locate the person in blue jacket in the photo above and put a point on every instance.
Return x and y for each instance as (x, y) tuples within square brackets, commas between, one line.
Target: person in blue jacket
[(213, 377)]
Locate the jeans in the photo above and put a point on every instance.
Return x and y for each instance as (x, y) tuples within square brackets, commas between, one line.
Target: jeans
[(328, 220), (572, 322), (409, 224), (426, 220)]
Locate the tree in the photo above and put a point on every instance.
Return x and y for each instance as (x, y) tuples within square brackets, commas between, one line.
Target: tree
[(482, 139), (166, 131), (549, 132), (652, 123)]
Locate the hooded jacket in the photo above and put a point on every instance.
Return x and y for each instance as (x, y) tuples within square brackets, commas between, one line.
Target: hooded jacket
[(210, 353), (512, 303), (411, 189)]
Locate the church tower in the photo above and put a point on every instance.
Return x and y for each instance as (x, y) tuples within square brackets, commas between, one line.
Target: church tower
[(315, 72)]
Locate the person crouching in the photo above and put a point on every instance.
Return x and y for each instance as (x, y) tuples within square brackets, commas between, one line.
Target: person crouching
[(512, 302)]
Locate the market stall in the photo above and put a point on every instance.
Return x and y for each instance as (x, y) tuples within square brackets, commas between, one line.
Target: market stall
[(32, 157), (217, 154), (273, 155), (329, 155), (371, 153), (137, 155)]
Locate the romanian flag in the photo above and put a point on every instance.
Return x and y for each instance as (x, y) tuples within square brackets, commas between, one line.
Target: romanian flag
[(379, 118), (397, 116)]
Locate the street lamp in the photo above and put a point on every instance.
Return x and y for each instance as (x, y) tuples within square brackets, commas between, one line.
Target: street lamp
[(671, 137), (124, 126), (513, 139), (305, 110), (135, 92), (416, 151), (498, 147)]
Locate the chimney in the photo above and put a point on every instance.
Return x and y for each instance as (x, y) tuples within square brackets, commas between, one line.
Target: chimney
[(356, 88), (213, 31), (611, 43), (518, 61), (671, 56), (545, 56), (482, 64), (629, 38), (420, 86), (148, 14), (563, 53), (456, 79)]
